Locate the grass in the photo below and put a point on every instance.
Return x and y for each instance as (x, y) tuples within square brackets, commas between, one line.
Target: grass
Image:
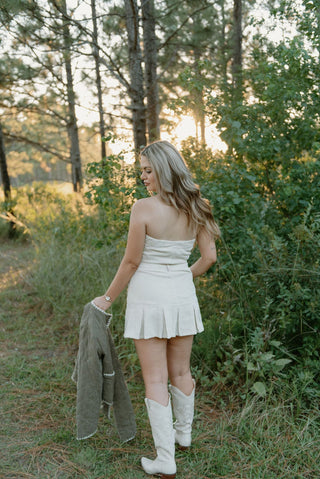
[(256, 440)]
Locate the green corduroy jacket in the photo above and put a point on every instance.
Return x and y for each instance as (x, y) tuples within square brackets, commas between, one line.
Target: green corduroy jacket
[(99, 378)]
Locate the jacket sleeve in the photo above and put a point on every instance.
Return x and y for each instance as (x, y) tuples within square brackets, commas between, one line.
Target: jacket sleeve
[(123, 410), (89, 378)]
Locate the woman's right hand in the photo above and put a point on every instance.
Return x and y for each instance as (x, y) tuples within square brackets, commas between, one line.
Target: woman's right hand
[(101, 302)]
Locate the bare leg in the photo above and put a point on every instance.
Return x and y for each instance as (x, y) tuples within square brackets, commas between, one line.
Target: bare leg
[(182, 388), (178, 358), (152, 355), (153, 360)]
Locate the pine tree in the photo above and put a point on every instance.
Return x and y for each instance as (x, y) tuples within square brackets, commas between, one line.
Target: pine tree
[(136, 90), (151, 63), (41, 37)]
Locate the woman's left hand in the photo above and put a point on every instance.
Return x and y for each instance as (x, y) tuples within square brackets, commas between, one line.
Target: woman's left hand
[(101, 302)]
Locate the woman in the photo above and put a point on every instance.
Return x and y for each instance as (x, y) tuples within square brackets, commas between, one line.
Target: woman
[(162, 313)]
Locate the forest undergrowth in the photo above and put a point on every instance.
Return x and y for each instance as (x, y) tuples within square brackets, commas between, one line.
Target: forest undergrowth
[(46, 278)]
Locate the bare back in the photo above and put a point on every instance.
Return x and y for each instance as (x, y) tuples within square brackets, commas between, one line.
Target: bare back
[(166, 223)]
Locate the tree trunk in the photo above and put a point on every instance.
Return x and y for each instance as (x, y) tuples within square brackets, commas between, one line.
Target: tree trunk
[(150, 60), (4, 169), (199, 107), (6, 182), (72, 120), (197, 93), (237, 51), (318, 28), (224, 59), (136, 89), (96, 55)]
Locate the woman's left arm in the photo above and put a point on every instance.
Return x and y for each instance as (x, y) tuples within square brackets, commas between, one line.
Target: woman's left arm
[(208, 254), (131, 258)]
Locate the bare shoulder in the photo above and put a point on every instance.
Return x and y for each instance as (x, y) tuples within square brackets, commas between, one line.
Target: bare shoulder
[(143, 207), (145, 204)]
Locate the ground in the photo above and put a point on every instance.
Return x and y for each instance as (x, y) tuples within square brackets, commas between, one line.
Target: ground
[(260, 439)]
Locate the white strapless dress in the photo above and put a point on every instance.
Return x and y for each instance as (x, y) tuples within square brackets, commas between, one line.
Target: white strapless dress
[(161, 299)]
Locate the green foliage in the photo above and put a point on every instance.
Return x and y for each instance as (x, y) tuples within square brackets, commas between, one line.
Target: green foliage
[(261, 302), (279, 115), (296, 192), (75, 260), (264, 303), (291, 277), (114, 185)]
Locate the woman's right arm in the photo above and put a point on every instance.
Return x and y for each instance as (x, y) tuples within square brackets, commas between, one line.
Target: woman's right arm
[(132, 256), (208, 254)]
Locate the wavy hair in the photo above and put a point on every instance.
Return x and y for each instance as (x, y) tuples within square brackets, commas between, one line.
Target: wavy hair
[(177, 188)]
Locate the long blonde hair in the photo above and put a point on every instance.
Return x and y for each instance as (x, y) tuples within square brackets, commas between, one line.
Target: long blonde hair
[(177, 188)]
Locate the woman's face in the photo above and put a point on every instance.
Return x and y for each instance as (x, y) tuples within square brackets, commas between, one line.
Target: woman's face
[(147, 175)]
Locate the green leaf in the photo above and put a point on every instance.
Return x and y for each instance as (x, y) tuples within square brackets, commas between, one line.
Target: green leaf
[(275, 343), (266, 356), (259, 388), (251, 366), (281, 363)]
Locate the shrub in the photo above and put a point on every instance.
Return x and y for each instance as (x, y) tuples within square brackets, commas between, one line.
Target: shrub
[(266, 282)]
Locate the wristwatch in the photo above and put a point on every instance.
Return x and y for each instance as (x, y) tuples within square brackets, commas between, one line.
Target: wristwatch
[(108, 299)]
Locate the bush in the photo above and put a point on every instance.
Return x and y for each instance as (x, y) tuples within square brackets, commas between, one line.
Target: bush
[(261, 302)]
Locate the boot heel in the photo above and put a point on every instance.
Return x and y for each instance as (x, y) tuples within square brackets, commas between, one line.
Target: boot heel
[(167, 476), (183, 448)]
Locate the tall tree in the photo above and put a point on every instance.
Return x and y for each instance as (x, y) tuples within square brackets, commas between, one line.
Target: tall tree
[(136, 89), (40, 35), (6, 182), (151, 62), (96, 56), (237, 51), (4, 169), (223, 50), (198, 29), (189, 56), (72, 119)]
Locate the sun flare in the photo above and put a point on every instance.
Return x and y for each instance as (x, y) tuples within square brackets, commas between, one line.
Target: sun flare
[(186, 127)]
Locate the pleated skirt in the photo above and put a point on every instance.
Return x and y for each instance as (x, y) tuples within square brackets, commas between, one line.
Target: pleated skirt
[(162, 302)]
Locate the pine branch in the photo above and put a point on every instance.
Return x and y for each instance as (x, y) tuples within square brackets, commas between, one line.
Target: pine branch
[(39, 146), (173, 34), (112, 67)]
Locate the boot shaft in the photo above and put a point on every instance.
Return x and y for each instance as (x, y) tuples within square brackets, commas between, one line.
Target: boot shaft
[(160, 418), (183, 409)]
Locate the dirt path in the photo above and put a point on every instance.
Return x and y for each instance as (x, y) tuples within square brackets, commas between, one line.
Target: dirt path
[(33, 376), (15, 259), (15, 262)]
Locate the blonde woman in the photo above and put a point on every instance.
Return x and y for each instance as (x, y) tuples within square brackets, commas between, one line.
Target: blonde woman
[(162, 314)]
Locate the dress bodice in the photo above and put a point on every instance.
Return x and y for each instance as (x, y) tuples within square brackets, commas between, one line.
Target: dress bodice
[(166, 251)]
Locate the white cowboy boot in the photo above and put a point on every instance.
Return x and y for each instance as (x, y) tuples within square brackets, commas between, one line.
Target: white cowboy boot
[(160, 418), (183, 410)]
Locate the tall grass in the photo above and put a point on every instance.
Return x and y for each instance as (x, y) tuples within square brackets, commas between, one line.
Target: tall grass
[(67, 260), (258, 318)]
